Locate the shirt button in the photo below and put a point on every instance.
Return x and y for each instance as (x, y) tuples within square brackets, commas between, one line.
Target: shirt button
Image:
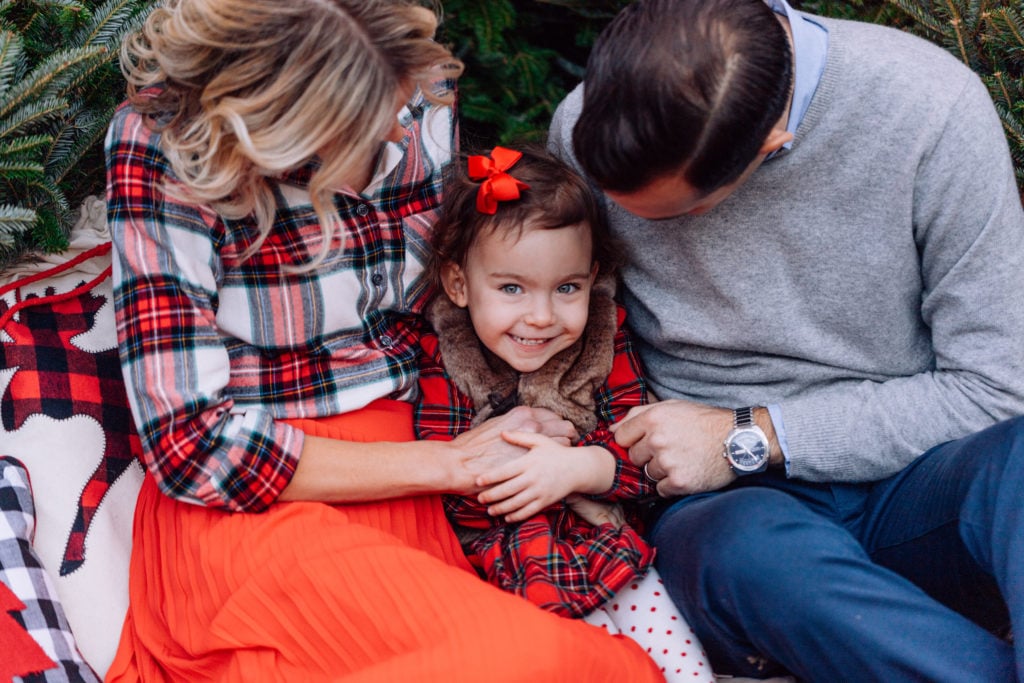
[(377, 279), (362, 209), (386, 341)]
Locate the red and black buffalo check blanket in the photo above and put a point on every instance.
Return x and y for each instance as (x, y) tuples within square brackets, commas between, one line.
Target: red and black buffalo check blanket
[(64, 417)]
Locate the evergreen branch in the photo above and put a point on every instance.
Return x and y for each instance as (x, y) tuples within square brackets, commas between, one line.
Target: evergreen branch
[(67, 4), (23, 170), (73, 83), (12, 59), (51, 231), (51, 76), (64, 133), (73, 142), (531, 70), (921, 16), (1010, 23), (997, 88), (110, 22), (14, 221), (488, 21), (972, 14), (49, 194), (32, 115), (21, 147), (956, 21), (1014, 130)]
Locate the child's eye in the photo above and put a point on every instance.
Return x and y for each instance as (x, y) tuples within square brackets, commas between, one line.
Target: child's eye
[(568, 288), (510, 289)]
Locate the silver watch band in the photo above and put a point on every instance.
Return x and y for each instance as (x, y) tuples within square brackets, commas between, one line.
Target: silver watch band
[(743, 417)]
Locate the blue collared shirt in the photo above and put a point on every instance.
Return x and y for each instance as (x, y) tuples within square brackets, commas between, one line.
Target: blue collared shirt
[(810, 51)]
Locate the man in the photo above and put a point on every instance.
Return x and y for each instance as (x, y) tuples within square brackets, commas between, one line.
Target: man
[(826, 271)]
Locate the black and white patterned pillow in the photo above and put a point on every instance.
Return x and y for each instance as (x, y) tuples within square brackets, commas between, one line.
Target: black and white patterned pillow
[(43, 617)]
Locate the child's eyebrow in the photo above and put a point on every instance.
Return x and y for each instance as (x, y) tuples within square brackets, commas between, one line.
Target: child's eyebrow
[(579, 276), (520, 276)]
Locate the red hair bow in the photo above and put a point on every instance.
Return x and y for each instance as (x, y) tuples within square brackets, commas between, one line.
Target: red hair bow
[(497, 186)]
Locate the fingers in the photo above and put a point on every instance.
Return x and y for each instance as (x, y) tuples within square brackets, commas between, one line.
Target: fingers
[(526, 439), (518, 513), (596, 513), (500, 486), (633, 427), (654, 476), (552, 425), (509, 501)]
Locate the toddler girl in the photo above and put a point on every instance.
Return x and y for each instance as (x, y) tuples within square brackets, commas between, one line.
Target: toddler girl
[(526, 317)]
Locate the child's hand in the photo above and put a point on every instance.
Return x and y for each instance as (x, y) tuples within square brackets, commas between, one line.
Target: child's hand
[(546, 474), (595, 512)]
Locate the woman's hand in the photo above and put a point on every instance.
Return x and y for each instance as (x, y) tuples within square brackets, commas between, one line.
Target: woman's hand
[(484, 447), (487, 438), (544, 475)]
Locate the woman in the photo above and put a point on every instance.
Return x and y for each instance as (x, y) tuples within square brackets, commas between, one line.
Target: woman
[(271, 185)]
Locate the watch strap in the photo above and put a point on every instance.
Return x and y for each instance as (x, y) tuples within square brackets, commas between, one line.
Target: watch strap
[(743, 417)]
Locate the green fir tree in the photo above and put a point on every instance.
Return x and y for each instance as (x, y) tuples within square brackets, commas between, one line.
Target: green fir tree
[(521, 59), (59, 84), (988, 36)]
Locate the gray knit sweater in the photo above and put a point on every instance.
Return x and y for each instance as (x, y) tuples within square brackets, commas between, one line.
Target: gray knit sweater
[(870, 281)]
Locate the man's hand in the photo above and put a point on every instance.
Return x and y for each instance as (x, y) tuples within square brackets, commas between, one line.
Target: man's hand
[(681, 443)]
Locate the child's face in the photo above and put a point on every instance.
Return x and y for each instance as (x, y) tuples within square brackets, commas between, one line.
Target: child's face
[(527, 294)]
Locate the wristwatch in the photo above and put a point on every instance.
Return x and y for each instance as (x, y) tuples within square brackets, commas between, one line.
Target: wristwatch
[(746, 447)]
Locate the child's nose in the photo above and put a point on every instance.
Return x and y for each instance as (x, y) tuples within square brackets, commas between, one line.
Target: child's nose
[(541, 313)]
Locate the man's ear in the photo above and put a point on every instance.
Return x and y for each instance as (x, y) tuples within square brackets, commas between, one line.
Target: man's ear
[(454, 282), (775, 140)]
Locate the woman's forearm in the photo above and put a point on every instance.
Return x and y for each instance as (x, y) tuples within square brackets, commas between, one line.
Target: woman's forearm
[(338, 471), (344, 471)]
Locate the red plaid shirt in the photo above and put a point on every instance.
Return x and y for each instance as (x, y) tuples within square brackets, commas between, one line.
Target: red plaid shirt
[(216, 350), (554, 559)]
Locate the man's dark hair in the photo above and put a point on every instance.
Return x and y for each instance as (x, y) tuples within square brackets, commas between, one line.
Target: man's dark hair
[(682, 86)]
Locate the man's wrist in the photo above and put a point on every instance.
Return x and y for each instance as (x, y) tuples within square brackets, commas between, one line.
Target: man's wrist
[(764, 420)]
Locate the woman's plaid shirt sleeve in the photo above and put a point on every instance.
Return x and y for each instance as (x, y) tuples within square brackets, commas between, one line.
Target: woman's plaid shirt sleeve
[(198, 445)]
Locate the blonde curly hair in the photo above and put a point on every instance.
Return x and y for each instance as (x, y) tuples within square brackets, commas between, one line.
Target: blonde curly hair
[(248, 89)]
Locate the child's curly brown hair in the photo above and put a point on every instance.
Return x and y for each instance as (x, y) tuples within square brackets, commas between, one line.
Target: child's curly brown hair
[(557, 197)]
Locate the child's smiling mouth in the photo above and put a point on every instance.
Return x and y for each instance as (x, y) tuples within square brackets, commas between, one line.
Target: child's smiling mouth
[(529, 342)]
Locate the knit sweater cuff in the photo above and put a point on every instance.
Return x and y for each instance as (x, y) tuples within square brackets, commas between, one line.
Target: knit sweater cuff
[(817, 440)]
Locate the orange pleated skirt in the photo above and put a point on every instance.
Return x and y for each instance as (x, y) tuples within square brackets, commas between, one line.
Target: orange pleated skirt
[(356, 592)]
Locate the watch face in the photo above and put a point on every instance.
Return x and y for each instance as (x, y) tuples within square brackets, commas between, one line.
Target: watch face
[(747, 450)]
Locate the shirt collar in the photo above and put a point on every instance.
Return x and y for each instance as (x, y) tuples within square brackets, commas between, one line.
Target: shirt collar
[(810, 50)]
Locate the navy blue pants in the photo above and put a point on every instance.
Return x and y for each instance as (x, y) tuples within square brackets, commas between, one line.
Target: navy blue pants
[(908, 579)]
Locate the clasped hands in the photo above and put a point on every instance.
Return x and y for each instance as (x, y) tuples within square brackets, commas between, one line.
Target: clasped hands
[(522, 462)]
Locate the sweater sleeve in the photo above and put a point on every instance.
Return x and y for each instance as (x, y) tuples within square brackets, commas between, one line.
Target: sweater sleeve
[(969, 231)]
